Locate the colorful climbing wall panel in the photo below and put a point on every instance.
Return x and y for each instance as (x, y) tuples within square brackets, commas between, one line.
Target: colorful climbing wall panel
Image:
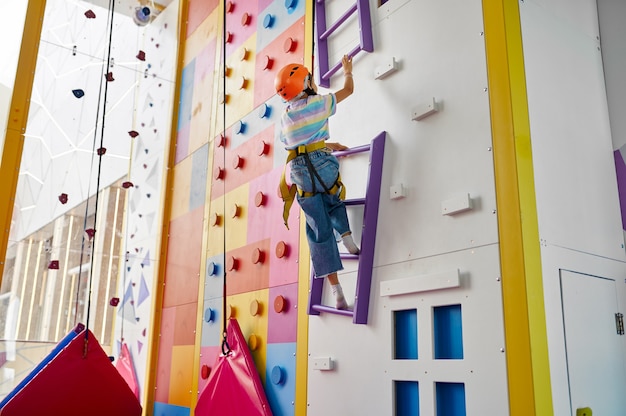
[(225, 222)]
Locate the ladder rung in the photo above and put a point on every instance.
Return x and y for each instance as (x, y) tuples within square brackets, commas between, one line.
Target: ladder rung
[(336, 67), (353, 150), (322, 308), (355, 201), (339, 22), (348, 256)]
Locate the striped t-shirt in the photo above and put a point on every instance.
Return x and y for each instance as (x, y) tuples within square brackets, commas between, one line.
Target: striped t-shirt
[(306, 121)]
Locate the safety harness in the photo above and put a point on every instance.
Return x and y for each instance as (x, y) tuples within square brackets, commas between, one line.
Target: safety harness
[(288, 193)]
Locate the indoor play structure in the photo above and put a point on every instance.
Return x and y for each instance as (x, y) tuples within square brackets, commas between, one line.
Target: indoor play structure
[(146, 268)]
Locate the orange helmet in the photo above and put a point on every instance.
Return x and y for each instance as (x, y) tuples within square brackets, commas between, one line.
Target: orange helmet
[(290, 81)]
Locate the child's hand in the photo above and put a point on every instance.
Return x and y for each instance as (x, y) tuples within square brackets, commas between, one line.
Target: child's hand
[(346, 63), (336, 146)]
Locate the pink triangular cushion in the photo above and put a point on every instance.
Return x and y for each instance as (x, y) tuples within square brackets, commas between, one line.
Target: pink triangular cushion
[(126, 369), (76, 385), (234, 387)]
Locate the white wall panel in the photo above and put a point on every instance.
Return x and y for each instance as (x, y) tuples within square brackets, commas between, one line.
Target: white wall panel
[(439, 49), (151, 119), (575, 179), (362, 354), (612, 34), (554, 260), (440, 54)]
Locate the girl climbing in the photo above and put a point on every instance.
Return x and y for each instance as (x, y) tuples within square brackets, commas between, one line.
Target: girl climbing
[(314, 169)]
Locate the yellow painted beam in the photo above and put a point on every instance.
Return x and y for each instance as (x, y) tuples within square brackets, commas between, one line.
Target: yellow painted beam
[(302, 336), (166, 208), (17, 119), (522, 283), (304, 272)]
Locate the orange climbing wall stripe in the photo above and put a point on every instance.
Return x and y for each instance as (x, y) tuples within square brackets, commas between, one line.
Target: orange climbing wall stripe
[(522, 283)]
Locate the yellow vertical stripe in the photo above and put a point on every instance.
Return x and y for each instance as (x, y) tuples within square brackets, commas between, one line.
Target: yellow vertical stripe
[(304, 272), (166, 207), (522, 282), (18, 118)]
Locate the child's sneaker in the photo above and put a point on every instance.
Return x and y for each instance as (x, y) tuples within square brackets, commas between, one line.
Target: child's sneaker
[(350, 245), (341, 303)]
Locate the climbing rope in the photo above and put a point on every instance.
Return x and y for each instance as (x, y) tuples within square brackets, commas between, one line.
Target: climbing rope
[(225, 347), (100, 152)]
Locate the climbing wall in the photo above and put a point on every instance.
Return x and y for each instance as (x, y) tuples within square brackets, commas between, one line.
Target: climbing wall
[(226, 217), (436, 265), (149, 133), (69, 155)]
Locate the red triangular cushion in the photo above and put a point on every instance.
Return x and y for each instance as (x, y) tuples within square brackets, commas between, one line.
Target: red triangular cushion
[(124, 365), (234, 387), (73, 385)]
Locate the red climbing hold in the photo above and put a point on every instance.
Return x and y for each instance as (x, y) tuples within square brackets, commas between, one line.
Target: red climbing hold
[(53, 265), (114, 301), (89, 14), (102, 151), (206, 370), (90, 232), (133, 134), (109, 76), (63, 198), (141, 56), (127, 185)]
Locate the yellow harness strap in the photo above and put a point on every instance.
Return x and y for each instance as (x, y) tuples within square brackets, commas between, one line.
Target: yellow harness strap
[(288, 193)]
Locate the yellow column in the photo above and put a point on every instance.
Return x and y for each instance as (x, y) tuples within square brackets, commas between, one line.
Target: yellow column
[(168, 173), (522, 282), (304, 272), (18, 117)]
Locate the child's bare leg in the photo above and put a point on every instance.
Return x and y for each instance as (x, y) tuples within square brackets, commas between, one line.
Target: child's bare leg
[(337, 291)]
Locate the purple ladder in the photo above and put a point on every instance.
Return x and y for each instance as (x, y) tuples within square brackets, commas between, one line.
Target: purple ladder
[(323, 33), (368, 238)]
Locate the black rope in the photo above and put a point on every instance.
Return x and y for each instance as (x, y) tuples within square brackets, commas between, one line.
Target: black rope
[(225, 347), (103, 81)]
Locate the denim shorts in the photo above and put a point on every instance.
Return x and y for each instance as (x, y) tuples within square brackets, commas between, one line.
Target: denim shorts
[(325, 213), (326, 165)]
